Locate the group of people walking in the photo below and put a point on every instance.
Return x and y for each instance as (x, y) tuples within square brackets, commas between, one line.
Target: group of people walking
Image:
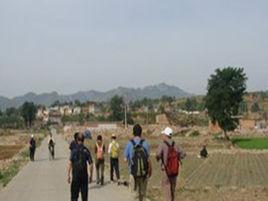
[(137, 156)]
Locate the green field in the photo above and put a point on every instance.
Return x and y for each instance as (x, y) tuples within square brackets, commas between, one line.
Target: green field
[(251, 143)]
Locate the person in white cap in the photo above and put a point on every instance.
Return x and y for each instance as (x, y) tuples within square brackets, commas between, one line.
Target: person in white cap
[(32, 146), (114, 162), (170, 157)]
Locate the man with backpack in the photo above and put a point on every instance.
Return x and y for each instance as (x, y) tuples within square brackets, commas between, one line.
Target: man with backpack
[(80, 164), (137, 155), (114, 162), (32, 147), (100, 160), (170, 157)]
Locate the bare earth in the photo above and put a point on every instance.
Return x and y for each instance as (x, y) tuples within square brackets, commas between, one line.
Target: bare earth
[(45, 180)]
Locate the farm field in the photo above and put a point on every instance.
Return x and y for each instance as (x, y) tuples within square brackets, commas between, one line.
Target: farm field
[(225, 172)]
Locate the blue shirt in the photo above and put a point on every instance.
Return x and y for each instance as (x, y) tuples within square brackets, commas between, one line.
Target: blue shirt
[(128, 153)]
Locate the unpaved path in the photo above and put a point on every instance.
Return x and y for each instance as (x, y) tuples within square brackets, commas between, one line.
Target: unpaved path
[(45, 180)]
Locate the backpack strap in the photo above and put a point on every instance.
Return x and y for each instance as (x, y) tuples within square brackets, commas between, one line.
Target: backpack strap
[(170, 145), (133, 142)]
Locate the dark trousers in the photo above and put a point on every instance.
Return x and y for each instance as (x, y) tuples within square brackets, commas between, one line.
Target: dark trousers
[(32, 151), (51, 152), (79, 185), (100, 171), (114, 167)]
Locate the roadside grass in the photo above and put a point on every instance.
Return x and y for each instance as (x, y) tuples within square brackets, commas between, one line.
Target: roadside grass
[(7, 174), (251, 143)]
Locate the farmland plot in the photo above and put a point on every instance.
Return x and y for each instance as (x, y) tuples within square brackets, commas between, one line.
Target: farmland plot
[(226, 170)]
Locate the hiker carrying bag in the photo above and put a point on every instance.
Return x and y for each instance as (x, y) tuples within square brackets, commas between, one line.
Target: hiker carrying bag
[(114, 150), (173, 165), (139, 162)]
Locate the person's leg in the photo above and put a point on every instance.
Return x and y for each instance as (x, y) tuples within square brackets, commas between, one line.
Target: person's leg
[(33, 153), (166, 187), (74, 190), (133, 186), (173, 187), (143, 189), (111, 169), (97, 171), (102, 171), (116, 166), (84, 190)]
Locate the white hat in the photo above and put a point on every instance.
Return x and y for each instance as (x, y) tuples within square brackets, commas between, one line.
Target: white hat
[(168, 131), (32, 136)]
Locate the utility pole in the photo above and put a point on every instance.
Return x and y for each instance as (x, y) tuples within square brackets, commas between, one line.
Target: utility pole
[(125, 116)]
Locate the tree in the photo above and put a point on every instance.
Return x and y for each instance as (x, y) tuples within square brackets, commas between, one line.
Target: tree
[(226, 89), (255, 107), (117, 108), (190, 104), (77, 103), (28, 112)]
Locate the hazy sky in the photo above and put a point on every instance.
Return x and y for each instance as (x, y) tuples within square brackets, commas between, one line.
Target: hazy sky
[(72, 45)]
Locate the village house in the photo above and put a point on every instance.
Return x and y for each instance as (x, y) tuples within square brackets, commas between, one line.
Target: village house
[(90, 108), (66, 110), (77, 110)]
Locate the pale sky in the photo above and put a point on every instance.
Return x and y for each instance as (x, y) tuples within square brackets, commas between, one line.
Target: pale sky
[(76, 45)]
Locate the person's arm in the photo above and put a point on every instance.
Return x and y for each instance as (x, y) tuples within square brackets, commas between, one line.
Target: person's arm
[(69, 168), (159, 153), (90, 170), (109, 148), (90, 167), (149, 168), (126, 153), (104, 149)]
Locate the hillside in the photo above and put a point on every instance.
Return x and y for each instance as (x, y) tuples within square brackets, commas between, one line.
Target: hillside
[(153, 92)]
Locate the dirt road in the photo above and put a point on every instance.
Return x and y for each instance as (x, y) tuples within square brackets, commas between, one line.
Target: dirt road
[(45, 180)]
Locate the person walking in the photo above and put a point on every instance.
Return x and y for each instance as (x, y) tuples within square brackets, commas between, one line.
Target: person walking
[(51, 146), (170, 157), (32, 147), (137, 154), (80, 164), (100, 160), (113, 150)]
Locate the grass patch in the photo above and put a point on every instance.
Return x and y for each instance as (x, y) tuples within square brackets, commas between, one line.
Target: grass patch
[(7, 174), (251, 143)]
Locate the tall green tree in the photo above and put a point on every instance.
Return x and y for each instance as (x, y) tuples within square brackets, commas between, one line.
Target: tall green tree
[(28, 112), (117, 108), (225, 92), (190, 104)]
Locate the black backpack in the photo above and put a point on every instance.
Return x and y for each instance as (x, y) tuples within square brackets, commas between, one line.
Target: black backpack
[(80, 163), (139, 162)]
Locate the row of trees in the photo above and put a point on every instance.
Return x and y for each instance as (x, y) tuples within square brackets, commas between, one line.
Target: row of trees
[(18, 118)]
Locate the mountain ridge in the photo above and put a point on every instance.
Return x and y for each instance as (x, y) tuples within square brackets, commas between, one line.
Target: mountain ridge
[(152, 91)]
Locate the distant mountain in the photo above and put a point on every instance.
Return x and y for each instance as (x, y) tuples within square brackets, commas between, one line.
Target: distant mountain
[(153, 92)]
